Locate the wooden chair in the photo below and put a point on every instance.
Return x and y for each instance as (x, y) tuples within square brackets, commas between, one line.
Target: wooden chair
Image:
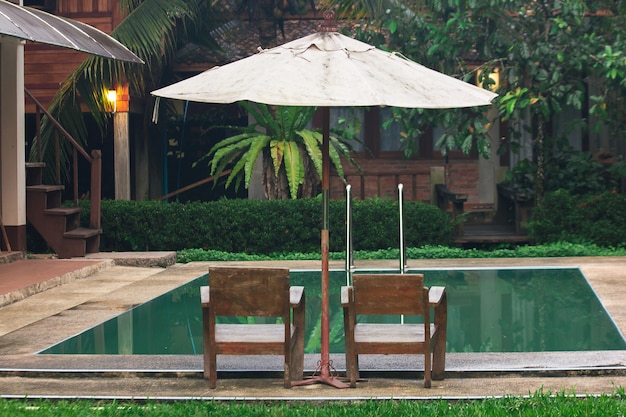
[(253, 292), (394, 294)]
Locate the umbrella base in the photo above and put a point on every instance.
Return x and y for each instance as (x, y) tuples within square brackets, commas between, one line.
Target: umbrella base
[(324, 374), (333, 381)]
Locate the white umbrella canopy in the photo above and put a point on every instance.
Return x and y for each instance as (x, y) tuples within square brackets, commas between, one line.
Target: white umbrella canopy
[(41, 27), (328, 69)]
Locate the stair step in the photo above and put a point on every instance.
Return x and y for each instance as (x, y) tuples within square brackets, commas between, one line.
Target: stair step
[(35, 164), (63, 211), (44, 188), (82, 233)]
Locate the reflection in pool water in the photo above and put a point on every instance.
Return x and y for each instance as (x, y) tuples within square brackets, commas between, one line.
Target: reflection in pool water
[(489, 310)]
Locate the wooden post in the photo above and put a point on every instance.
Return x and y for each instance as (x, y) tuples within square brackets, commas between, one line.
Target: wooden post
[(121, 144), (96, 189)]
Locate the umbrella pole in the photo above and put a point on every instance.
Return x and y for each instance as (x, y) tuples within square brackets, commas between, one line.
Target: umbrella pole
[(323, 374)]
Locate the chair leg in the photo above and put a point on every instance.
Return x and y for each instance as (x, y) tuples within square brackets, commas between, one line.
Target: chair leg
[(212, 370), (439, 359), (439, 339), (352, 360), (427, 369), (296, 367), (286, 377), (352, 367), (210, 358)]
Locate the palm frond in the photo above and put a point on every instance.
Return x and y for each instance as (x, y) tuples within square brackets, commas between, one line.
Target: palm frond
[(262, 115), (256, 148), (294, 167), (277, 148), (337, 150), (225, 155), (235, 173), (233, 140), (153, 29), (312, 141)]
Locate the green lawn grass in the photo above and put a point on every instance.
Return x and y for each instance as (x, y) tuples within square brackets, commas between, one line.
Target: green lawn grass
[(538, 404)]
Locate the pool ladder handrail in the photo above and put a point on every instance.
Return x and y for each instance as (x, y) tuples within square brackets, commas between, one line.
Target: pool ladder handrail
[(402, 244), (349, 266), (349, 244)]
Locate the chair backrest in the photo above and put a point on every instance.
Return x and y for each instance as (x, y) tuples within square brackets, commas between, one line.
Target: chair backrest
[(243, 291), (390, 294)]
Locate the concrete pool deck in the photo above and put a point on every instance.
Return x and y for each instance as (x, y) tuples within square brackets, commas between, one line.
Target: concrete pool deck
[(46, 312)]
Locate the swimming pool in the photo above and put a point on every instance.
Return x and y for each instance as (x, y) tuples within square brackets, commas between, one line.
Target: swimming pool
[(489, 310)]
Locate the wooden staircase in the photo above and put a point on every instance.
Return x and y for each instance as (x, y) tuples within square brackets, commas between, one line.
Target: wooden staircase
[(59, 226)]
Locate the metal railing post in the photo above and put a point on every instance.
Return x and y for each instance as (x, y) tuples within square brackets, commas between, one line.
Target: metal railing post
[(401, 243), (349, 249), (401, 226)]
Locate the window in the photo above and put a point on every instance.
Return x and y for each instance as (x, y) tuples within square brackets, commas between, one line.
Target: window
[(350, 120)]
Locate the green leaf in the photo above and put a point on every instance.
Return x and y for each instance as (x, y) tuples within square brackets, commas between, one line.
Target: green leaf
[(294, 167), (313, 141), (277, 150), (393, 26), (256, 149)]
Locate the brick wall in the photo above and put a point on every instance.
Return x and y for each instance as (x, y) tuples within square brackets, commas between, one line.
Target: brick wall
[(381, 178)]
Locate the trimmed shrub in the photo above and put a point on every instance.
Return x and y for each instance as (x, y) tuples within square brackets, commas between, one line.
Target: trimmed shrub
[(597, 219), (264, 227)]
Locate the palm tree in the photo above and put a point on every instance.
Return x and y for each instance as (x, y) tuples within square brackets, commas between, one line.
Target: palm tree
[(153, 30)]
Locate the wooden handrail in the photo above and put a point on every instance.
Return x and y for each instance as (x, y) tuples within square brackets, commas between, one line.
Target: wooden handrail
[(457, 200), (194, 185), (56, 123), (95, 160)]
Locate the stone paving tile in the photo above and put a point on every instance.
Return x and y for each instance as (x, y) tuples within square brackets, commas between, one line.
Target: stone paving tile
[(40, 320)]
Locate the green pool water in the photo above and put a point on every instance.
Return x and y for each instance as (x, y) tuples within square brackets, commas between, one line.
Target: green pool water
[(489, 310)]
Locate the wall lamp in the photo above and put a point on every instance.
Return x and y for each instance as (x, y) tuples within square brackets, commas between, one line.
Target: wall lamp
[(111, 101)]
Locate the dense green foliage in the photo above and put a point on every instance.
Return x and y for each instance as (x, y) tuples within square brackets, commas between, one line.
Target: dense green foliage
[(566, 225), (561, 68), (597, 219), (538, 404), (265, 227)]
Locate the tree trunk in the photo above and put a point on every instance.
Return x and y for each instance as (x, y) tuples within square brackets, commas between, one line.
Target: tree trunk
[(277, 188)]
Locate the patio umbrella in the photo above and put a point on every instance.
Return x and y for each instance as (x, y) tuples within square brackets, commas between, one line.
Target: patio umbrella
[(41, 27), (328, 69)]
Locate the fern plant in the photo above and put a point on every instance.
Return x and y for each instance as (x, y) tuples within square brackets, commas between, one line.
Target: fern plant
[(292, 154)]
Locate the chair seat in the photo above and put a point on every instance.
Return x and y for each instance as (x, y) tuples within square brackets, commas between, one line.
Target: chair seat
[(390, 333), (250, 333), (250, 339)]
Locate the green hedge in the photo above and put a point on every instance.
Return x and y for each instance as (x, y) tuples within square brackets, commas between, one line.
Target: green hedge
[(264, 227), (599, 219)]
